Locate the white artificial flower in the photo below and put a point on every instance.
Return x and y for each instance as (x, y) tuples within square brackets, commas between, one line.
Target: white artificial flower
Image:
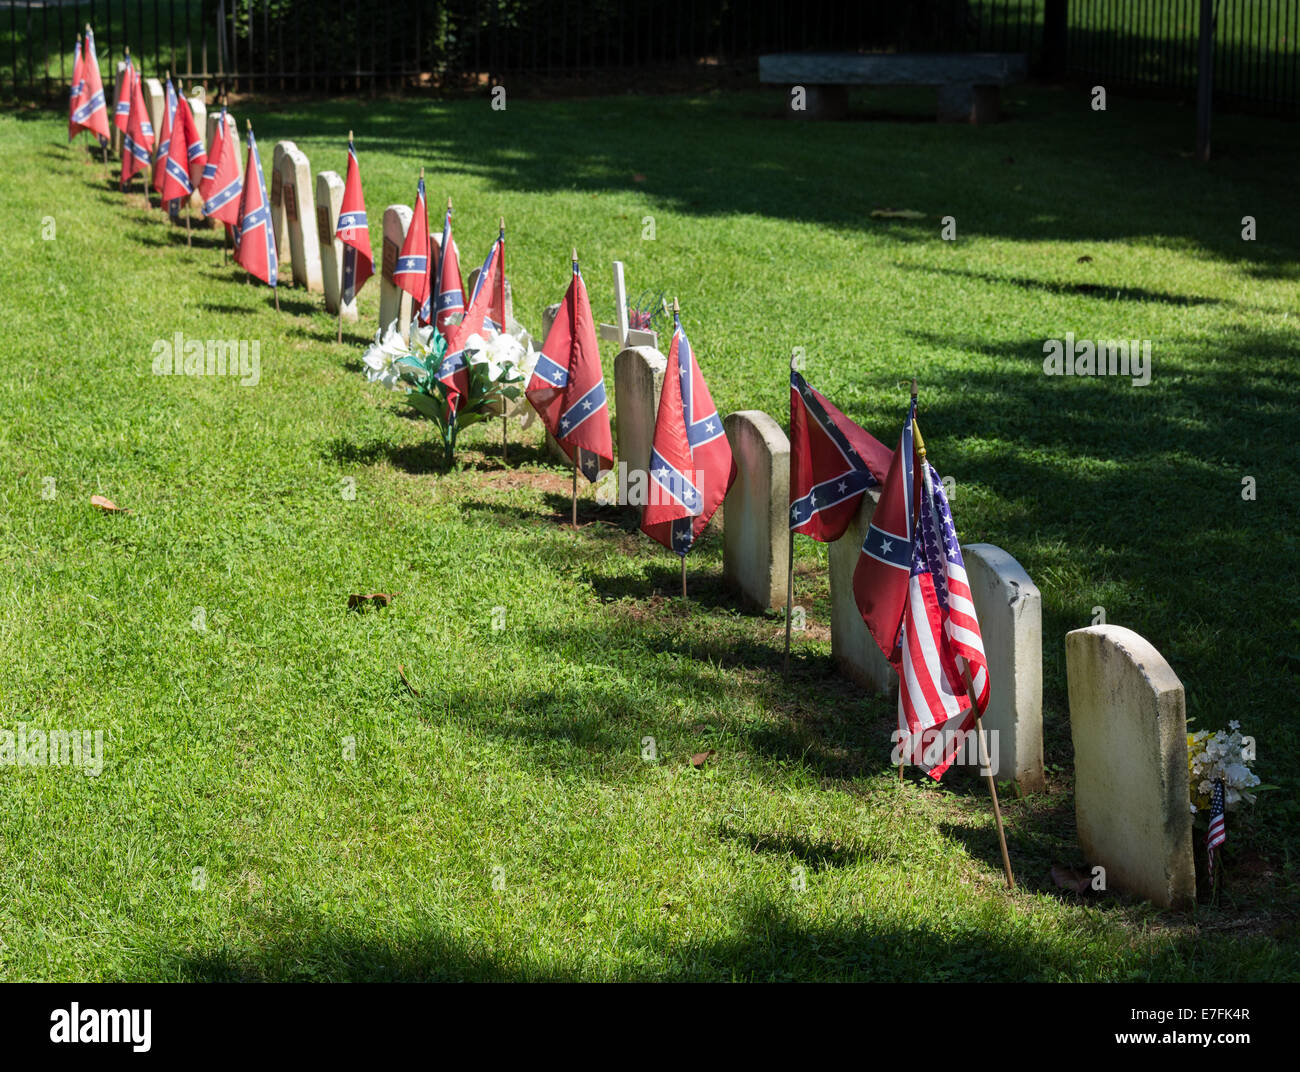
[(379, 358)]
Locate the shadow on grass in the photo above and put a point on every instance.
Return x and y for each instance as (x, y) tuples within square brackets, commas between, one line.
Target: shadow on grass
[(765, 942)]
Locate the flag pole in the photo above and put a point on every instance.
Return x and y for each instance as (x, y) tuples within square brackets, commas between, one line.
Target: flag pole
[(331, 237), (901, 761), (979, 726), (789, 577)]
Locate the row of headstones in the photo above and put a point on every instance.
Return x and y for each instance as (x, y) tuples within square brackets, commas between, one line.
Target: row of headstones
[(756, 551), (1127, 711), (1127, 707), (297, 233)]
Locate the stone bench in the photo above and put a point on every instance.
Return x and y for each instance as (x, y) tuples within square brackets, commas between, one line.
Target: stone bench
[(969, 83)]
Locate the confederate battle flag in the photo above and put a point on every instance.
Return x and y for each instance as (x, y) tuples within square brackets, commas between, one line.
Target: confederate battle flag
[(137, 142), (567, 387), (91, 113), (354, 232), (691, 466), (411, 272), (832, 464), (254, 242)]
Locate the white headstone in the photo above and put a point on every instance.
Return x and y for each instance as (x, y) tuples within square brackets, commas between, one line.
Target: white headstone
[(329, 199), (1010, 612), (1128, 721), (279, 224), (154, 102), (394, 302), (199, 109), (114, 135), (638, 379), (299, 213), (756, 536), (852, 647)]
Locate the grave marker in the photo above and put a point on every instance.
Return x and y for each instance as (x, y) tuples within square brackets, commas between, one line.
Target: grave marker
[(279, 225), (756, 544), (1010, 612), (394, 302), (298, 197), (620, 333), (852, 646), (329, 199), (1128, 721), (199, 109), (638, 379)]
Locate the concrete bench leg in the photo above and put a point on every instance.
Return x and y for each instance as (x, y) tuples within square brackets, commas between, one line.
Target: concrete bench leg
[(961, 103), (821, 102)]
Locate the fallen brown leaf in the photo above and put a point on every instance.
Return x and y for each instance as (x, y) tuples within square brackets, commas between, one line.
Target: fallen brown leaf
[(107, 505), (701, 758), (405, 681), (1085, 259), (380, 599)]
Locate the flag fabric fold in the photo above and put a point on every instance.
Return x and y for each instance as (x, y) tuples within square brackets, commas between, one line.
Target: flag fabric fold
[(137, 142), (122, 102), (1218, 831), (880, 578), (832, 464), (176, 180), (222, 186), (449, 288), (354, 232), (411, 272), (941, 641), (691, 466), (488, 300), (78, 90), (254, 240), (91, 113), (567, 387), (165, 137)]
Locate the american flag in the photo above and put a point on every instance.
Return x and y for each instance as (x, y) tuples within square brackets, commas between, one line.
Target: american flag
[(1218, 833), (941, 640)]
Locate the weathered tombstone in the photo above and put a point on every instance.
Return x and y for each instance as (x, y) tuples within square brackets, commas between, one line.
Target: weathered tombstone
[(154, 100), (1010, 612), (394, 302), (329, 199), (756, 536), (299, 201), (513, 327), (638, 379), (114, 134), (1128, 721), (199, 108), (232, 129), (548, 319), (852, 647), (279, 225)]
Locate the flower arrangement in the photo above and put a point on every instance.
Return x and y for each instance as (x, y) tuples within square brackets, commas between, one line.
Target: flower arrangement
[(498, 364), (1220, 756)]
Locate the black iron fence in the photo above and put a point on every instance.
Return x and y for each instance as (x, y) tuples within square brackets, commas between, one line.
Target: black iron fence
[(346, 45)]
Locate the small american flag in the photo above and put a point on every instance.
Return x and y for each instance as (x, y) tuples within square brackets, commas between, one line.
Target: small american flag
[(941, 640), (1218, 832)]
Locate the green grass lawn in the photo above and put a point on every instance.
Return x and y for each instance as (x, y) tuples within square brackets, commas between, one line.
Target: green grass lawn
[(503, 824)]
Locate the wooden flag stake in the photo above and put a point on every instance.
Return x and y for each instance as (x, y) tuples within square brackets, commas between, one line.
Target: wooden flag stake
[(979, 726), (683, 576), (789, 578), (341, 278), (901, 762)]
